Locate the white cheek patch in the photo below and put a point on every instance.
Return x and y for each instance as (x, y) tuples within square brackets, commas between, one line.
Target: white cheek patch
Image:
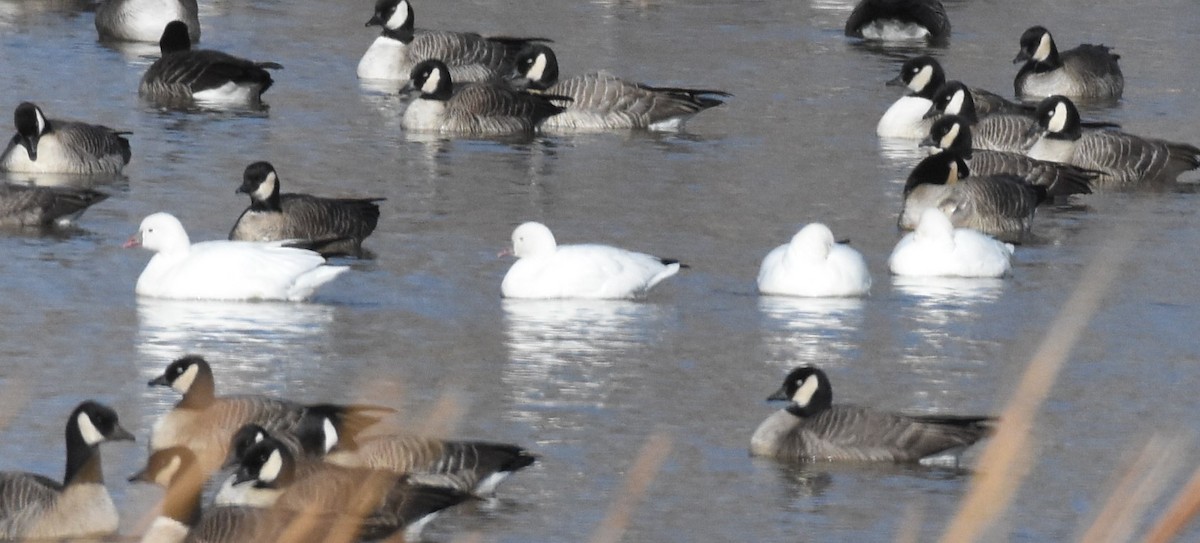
[(267, 187), (538, 70), (952, 178), (90, 434), (331, 435), (956, 103), (399, 17), (41, 121), (1058, 118), (431, 83), (805, 393), (922, 79), (950, 136), (167, 474), (1043, 50), (271, 468), (184, 381)]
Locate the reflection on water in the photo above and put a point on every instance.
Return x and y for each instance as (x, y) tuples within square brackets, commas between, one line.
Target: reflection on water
[(809, 330), (904, 153), (168, 329), (140, 54), (565, 354)]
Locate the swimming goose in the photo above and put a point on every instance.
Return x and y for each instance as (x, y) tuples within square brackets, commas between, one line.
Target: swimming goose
[(224, 270), (334, 226), (471, 466), (385, 501), (184, 77), (144, 20), (953, 133), (1086, 72), (206, 423), (44, 145), (479, 109), (814, 265), (1000, 205), (22, 205), (545, 269), (605, 102), (924, 77), (894, 20), (1125, 161), (399, 49), (937, 249), (813, 428), (36, 507)]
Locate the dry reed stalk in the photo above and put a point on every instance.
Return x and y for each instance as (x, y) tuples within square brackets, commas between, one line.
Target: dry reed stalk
[(1138, 486), (1179, 514), (1003, 463), (645, 467)]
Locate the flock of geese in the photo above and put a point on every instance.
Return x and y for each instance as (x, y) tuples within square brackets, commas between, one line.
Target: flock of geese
[(303, 472)]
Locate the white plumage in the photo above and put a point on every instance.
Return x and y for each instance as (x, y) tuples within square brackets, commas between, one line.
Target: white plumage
[(546, 270), (224, 270), (938, 249), (814, 265)]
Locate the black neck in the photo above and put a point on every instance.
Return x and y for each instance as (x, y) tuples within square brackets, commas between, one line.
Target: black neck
[(83, 460), (272, 203), (805, 411)]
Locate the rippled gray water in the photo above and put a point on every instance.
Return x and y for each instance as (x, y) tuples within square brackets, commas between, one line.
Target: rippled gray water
[(584, 384)]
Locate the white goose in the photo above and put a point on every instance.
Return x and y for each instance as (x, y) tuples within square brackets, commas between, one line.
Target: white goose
[(937, 249), (224, 270), (545, 269), (814, 265)]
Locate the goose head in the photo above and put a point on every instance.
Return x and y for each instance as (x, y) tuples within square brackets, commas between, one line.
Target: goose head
[(922, 75), (393, 15), (1058, 117), (807, 388), (94, 423), (161, 233), (246, 436), (1036, 45), (537, 64), (934, 227), (186, 374), (532, 239), (166, 466), (432, 79), (954, 99), (174, 38), (813, 242), (260, 181), (266, 466), (31, 124), (950, 132)]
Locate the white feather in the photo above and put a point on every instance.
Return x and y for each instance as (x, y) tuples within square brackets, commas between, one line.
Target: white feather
[(813, 265), (938, 249)]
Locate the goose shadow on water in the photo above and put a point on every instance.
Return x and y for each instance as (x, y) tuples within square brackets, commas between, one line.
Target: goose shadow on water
[(809, 329), (566, 354)]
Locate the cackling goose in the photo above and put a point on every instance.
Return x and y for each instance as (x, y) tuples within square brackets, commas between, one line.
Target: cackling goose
[(144, 20), (1124, 160), (1085, 72), (544, 269), (22, 205), (924, 77), (469, 56), (478, 109), (206, 423), (895, 20), (186, 77), (1000, 205), (812, 428), (953, 133), (44, 145), (813, 264), (385, 501), (330, 226), (601, 101), (935, 248), (36, 507)]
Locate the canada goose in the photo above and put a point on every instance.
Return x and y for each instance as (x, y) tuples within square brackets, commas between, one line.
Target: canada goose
[(1087, 72), (336, 226), (44, 145), (605, 102), (1000, 205), (813, 428), (935, 248), (206, 423), (144, 20), (923, 76), (1125, 161), (893, 20), (22, 205), (814, 265), (545, 269), (36, 507), (224, 270), (386, 501), (469, 56), (472, 108), (185, 77), (181, 518), (953, 133)]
